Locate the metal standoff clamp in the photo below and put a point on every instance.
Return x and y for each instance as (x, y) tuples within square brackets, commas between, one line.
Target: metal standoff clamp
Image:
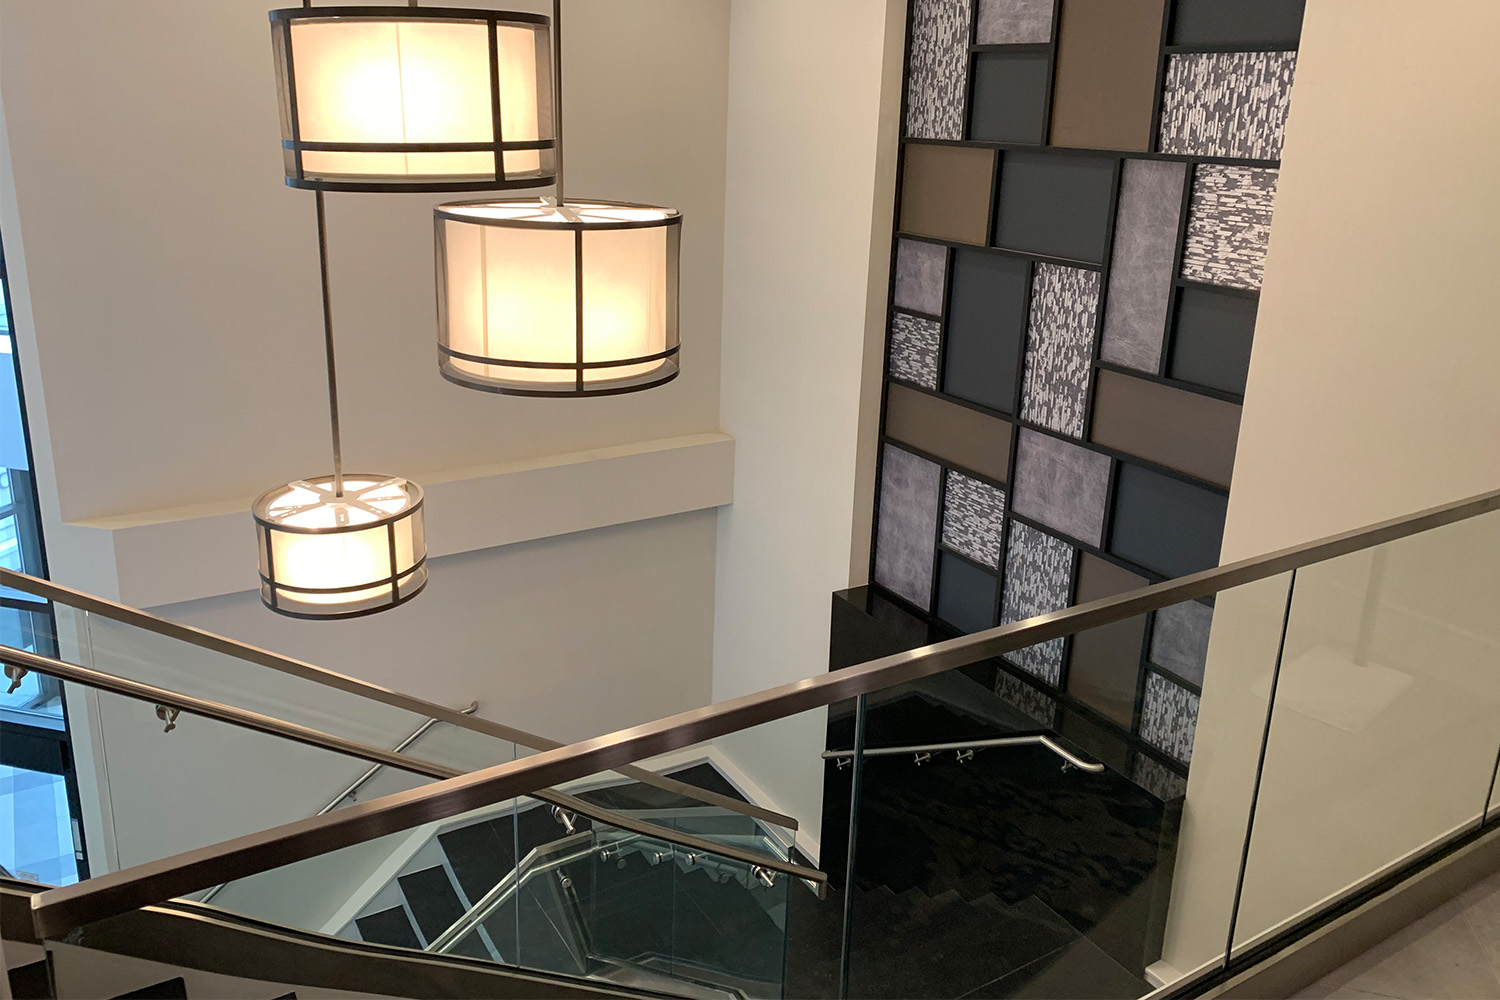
[(964, 756), (568, 820), (840, 763), (169, 716), (15, 673), (766, 876), (923, 758)]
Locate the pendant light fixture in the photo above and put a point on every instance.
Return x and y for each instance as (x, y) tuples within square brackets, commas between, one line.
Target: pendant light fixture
[(414, 98), (389, 99), (339, 546), (556, 298)]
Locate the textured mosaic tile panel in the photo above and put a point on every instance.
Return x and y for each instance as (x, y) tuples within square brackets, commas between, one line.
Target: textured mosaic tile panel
[(1014, 22), (1061, 485), (1158, 779), (1169, 716), (1038, 580), (1060, 347), (972, 512), (938, 70), (1179, 640), (1140, 272), (1027, 698), (1229, 225), (914, 349), (906, 533), (921, 269), (1230, 104)]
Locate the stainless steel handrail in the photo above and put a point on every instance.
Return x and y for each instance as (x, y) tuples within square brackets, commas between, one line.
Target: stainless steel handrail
[(60, 910), (359, 782), (319, 675), (385, 758), (516, 877), (1093, 767)]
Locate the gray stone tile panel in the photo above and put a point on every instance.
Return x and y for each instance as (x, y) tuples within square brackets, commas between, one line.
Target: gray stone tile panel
[(973, 513), (1179, 639), (906, 533), (1229, 225), (1140, 275), (1230, 104), (1169, 717), (1061, 485), (1060, 347), (1038, 580), (938, 70), (914, 349), (921, 269), (1014, 22)]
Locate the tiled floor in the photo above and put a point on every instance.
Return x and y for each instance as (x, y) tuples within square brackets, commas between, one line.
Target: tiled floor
[(1453, 952)]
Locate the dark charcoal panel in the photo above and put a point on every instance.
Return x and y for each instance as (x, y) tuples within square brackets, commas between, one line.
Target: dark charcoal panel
[(986, 327), (1105, 89), (1061, 485), (966, 594), (958, 434), (1010, 97), (1104, 665), (31, 981), (1014, 22), (1230, 104), (1140, 273), (945, 192), (921, 269), (1171, 427), (906, 528), (1055, 205), (1165, 524), (167, 989), (1211, 339), (434, 904), (939, 62), (1235, 22), (388, 927)]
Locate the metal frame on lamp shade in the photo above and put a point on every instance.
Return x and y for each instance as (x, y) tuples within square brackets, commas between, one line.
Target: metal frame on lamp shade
[(414, 98), (537, 298)]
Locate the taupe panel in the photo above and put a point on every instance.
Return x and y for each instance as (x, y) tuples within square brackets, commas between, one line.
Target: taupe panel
[(957, 434), (945, 192), (1180, 430), (1105, 85), (1105, 663)]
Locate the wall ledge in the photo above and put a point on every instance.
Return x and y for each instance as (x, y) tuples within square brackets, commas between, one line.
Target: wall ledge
[(157, 557)]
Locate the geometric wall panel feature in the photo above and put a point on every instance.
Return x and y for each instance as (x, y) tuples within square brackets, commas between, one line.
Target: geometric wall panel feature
[(921, 271), (966, 594), (1105, 88), (1179, 640), (972, 518), (1010, 97), (1171, 427), (1169, 716), (1154, 776), (1234, 22), (1038, 580), (906, 532), (1014, 22), (1230, 104), (1163, 524), (1055, 205), (1061, 485), (945, 192), (1140, 272), (946, 430), (986, 321), (1104, 663), (1229, 225), (914, 348), (938, 69), (1211, 337), (1060, 347)]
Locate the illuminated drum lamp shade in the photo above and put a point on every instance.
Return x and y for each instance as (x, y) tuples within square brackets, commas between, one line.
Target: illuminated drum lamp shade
[(324, 555), (540, 300), (414, 98)]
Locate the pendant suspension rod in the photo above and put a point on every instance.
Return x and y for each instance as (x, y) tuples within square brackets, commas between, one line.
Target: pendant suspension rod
[(333, 384), (557, 85)]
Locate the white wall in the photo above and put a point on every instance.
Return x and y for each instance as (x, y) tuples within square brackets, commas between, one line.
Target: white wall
[(1371, 394), (813, 100)]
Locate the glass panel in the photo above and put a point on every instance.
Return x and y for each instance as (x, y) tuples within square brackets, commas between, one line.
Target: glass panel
[(1386, 719)]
